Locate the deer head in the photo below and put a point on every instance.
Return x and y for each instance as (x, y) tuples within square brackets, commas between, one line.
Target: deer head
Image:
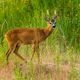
[(51, 22)]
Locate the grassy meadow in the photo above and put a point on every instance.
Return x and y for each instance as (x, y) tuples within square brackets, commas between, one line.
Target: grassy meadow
[(59, 53)]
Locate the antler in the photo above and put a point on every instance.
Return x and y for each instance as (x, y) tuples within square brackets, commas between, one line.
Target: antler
[(54, 19), (47, 18)]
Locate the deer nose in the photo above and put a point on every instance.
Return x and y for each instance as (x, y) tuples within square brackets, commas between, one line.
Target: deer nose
[(54, 25)]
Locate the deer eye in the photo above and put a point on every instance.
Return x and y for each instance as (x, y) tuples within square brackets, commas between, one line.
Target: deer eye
[(50, 23)]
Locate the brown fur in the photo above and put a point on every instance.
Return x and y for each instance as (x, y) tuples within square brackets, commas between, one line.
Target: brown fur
[(34, 36)]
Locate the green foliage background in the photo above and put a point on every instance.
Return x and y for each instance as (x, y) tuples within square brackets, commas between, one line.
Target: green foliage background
[(31, 13)]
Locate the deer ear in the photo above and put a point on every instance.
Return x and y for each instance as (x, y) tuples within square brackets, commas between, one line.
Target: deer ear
[(47, 18)]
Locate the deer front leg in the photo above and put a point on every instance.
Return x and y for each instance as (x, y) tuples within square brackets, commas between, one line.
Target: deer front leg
[(36, 49), (33, 48), (38, 54)]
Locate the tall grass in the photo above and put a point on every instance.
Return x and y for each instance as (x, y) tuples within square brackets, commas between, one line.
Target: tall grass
[(64, 39), (29, 13)]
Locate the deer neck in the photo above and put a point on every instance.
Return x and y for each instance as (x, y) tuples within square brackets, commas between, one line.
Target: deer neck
[(48, 30)]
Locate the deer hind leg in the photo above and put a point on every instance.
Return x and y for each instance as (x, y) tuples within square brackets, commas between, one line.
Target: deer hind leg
[(9, 52), (12, 47), (16, 52)]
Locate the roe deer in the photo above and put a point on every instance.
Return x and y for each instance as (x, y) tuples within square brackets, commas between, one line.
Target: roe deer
[(34, 36)]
